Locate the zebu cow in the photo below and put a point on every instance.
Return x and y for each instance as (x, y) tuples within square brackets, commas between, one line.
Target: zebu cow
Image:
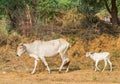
[(41, 49)]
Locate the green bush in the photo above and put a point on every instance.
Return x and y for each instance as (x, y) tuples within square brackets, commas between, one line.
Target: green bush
[(8, 38), (3, 34)]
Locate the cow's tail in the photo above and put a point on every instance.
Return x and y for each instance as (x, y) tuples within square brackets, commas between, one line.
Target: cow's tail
[(67, 47), (67, 60)]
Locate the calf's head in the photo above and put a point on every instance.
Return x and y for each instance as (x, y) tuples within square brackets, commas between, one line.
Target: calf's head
[(21, 49), (88, 54)]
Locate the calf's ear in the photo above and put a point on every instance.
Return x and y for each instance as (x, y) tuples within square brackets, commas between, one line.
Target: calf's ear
[(91, 53)]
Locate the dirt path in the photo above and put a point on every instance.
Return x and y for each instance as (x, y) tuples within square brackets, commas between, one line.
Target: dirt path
[(74, 77)]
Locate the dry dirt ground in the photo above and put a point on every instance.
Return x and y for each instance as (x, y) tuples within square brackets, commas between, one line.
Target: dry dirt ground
[(14, 70), (72, 77)]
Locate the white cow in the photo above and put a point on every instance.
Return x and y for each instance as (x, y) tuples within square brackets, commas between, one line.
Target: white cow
[(41, 49)]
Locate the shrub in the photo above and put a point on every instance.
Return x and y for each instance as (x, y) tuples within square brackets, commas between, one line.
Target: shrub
[(3, 34), (13, 39)]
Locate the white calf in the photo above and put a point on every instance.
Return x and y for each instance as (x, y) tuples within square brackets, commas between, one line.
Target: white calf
[(100, 56), (41, 49)]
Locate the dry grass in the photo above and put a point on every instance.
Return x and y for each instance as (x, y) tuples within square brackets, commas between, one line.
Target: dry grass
[(19, 68), (76, 54)]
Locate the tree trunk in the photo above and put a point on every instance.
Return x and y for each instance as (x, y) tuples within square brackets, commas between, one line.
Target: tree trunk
[(34, 14), (114, 13), (13, 21), (13, 16)]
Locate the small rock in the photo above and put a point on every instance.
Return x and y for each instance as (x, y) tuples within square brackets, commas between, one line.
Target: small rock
[(4, 72)]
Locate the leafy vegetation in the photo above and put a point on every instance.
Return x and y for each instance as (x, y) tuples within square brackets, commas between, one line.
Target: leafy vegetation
[(49, 19), (54, 18)]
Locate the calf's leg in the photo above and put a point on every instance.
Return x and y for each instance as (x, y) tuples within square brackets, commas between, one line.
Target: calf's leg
[(110, 64), (96, 67), (35, 65), (105, 65)]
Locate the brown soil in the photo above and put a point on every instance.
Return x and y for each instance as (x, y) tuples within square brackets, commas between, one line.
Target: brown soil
[(72, 77)]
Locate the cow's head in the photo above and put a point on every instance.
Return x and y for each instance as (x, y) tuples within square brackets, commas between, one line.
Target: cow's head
[(21, 49)]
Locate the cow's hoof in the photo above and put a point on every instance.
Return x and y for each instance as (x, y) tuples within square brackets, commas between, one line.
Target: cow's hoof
[(49, 72), (59, 72), (66, 64), (32, 73)]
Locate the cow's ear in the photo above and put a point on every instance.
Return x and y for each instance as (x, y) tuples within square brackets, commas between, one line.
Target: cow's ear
[(21, 44)]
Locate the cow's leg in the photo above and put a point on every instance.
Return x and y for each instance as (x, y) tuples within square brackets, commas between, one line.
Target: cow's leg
[(65, 62), (61, 66), (46, 64), (65, 59), (35, 65)]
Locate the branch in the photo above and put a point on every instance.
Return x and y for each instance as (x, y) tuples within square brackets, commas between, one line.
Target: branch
[(107, 7)]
